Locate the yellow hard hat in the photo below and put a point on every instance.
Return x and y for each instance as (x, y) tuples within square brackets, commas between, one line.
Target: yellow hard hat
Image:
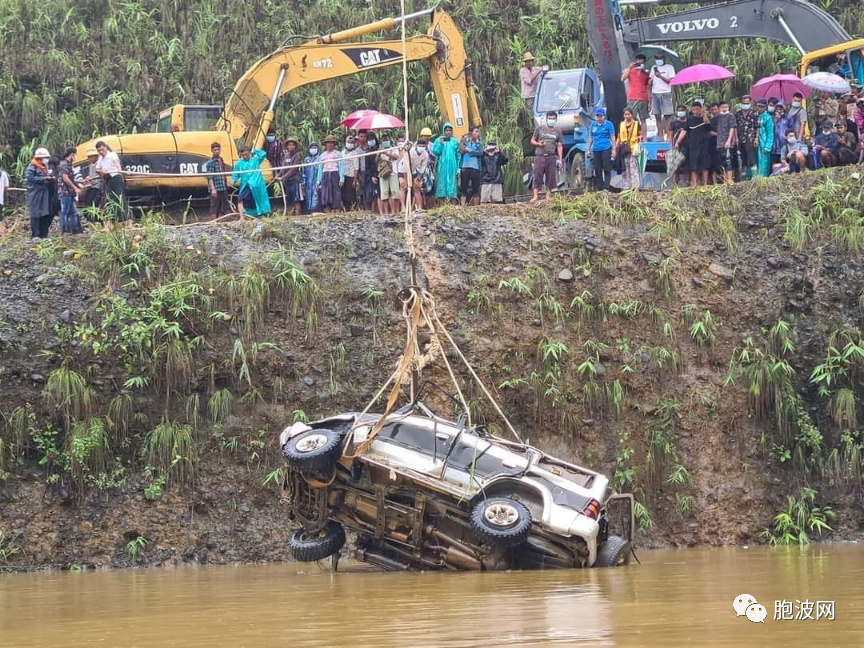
[(426, 132)]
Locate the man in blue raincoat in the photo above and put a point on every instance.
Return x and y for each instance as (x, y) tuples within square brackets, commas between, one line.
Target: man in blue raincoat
[(251, 188), (446, 151)]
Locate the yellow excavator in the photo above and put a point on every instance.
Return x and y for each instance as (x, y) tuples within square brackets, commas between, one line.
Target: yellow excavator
[(181, 143)]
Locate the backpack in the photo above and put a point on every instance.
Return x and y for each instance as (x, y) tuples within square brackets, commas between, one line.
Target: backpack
[(385, 168)]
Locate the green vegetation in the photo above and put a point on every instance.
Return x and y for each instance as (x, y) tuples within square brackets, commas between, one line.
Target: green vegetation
[(8, 548), (799, 520)]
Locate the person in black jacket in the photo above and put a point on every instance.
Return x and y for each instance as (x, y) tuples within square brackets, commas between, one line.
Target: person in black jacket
[(41, 190), (492, 189)]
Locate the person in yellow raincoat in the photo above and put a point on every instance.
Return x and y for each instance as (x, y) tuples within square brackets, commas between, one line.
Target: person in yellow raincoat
[(251, 187)]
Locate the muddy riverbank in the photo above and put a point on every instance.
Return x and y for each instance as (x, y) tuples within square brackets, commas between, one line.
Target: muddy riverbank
[(677, 342)]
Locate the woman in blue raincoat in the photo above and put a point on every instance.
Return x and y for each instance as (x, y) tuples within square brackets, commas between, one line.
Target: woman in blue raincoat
[(312, 175), (251, 187), (446, 151)]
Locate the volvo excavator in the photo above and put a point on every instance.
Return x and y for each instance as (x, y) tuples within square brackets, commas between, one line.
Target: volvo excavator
[(181, 143), (615, 39)]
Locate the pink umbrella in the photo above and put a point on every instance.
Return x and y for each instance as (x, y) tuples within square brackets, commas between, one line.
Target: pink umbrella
[(356, 116), (782, 86), (701, 73), (377, 121)]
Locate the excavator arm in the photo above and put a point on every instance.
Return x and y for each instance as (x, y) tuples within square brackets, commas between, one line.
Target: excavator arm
[(249, 110), (794, 22)]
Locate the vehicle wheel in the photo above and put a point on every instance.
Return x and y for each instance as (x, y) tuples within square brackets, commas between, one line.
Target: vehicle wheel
[(309, 548), (313, 452), (500, 522), (614, 552), (576, 172)]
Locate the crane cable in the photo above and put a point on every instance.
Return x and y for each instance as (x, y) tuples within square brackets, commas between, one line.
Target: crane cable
[(418, 311)]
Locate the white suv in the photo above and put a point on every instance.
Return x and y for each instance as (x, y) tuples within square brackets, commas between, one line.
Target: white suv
[(429, 493)]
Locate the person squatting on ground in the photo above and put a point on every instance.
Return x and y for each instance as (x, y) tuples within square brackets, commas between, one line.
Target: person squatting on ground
[(548, 143), (290, 177), (251, 188), (470, 166), (446, 151), (38, 181), (332, 176), (492, 189), (69, 192), (793, 155), (217, 183), (601, 149)]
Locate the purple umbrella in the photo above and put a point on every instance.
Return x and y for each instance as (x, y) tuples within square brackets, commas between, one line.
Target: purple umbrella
[(701, 73), (782, 86)]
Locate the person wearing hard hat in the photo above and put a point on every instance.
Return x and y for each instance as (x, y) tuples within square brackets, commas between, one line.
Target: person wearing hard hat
[(39, 182), (418, 158)]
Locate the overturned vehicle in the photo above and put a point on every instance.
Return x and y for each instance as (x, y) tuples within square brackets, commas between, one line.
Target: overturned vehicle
[(427, 493)]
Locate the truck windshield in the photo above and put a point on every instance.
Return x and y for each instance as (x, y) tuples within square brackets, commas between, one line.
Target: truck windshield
[(559, 91)]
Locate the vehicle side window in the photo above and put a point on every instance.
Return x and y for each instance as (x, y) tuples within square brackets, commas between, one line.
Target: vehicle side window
[(415, 438), (588, 89), (164, 125), (856, 64)]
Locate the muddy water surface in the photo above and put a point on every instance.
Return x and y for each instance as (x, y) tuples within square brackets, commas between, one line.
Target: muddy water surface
[(673, 598)]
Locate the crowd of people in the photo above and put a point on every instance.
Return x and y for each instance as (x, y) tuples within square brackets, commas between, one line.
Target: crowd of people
[(370, 171), (55, 191), (766, 137), (763, 137)]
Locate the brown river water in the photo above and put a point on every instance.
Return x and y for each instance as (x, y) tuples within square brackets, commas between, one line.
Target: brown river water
[(674, 598)]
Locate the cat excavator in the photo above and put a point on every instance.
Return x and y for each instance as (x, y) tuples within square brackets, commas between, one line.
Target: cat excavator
[(614, 40), (184, 133)]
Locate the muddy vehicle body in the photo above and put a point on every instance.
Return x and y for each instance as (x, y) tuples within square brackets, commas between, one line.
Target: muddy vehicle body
[(432, 494)]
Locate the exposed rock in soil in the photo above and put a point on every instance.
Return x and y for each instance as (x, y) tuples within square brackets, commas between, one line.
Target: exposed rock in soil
[(550, 305)]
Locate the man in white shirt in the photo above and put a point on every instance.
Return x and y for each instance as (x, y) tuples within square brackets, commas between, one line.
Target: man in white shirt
[(108, 166), (4, 184), (661, 93)]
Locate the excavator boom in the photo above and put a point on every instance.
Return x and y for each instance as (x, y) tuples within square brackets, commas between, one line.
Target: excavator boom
[(250, 107), (794, 22)]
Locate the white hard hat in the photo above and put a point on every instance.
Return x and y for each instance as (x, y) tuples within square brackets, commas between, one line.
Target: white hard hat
[(41, 153)]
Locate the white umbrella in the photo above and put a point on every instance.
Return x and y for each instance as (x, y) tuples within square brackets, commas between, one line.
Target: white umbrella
[(827, 82)]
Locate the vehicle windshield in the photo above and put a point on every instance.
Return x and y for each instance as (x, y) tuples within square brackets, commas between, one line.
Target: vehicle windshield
[(202, 118), (560, 91)]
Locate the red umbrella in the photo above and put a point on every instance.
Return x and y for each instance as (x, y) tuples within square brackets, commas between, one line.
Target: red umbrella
[(701, 73), (377, 121), (356, 116), (782, 86)]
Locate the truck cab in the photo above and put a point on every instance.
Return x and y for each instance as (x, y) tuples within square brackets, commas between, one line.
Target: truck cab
[(825, 60), (574, 94), (179, 118)]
